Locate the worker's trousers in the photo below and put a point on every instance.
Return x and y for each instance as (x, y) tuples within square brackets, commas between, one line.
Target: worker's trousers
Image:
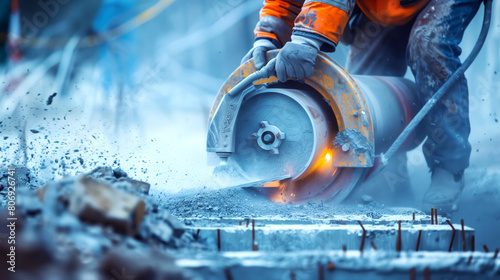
[(429, 46)]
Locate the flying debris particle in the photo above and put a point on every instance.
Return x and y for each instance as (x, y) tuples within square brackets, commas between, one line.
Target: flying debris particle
[(34, 131), (51, 98)]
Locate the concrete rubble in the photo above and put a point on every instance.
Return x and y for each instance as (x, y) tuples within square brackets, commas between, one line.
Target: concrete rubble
[(94, 226), (97, 202)]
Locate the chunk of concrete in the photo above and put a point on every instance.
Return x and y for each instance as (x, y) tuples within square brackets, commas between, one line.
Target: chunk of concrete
[(94, 201), (162, 231), (101, 172), (174, 223), (133, 185), (119, 173)]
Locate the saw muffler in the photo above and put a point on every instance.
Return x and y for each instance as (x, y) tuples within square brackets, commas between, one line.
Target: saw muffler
[(313, 139)]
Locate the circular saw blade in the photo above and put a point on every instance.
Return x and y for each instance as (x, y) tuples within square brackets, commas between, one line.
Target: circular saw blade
[(282, 109)]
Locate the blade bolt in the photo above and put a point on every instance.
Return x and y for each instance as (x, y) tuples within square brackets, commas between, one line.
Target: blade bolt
[(254, 135), (267, 137), (262, 124), (346, 147), (278, 136)]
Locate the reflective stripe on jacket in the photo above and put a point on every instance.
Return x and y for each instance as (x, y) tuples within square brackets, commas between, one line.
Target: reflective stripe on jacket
[(325, 19)]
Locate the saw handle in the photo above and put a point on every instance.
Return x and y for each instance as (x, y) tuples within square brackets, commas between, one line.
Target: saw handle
[(265, 72)]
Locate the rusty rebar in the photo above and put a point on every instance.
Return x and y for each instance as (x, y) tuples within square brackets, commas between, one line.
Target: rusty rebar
[(218, 239), (321, 272), (373, 245), (398, 241), (344, 248), (473, 243), (452, 235), (240, 223), (496, 254), (469, 260), (363, 238), (432, 216), (418, 239), (198, 233), (486, 248), (414, 216), (331, 266), (436, 216), (413, 274), (227, 273), (254, 247), (427, 273), (248, 221), (463, 234)]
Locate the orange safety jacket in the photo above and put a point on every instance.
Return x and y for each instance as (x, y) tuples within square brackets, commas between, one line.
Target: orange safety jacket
[(325, 19)]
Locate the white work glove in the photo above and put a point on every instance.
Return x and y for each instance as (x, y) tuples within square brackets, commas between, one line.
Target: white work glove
[(258, 52)]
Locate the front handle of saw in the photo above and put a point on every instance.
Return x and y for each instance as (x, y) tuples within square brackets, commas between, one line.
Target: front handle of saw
[(264, 73)]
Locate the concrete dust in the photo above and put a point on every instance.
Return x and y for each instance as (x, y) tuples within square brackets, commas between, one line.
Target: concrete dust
[(253, 202)]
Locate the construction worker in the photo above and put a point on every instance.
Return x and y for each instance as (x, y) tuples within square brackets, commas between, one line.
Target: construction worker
[(384, 37)]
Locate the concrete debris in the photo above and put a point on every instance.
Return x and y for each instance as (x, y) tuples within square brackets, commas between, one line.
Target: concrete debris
[(132, 185), (366, 199), (104, 172), (97, 202), (51, 98), (174, 223), (95, 226), (119, 179), (163, 232), (119, 173)]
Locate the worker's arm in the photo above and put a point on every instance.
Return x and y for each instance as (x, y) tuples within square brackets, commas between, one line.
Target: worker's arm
[(323, 20), (274, 28), (277, 19), (315, 25)]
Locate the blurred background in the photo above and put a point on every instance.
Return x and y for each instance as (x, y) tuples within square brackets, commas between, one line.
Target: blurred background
[(130, 83)]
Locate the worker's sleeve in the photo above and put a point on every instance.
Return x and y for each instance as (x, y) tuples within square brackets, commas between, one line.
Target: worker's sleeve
[(277, 20), (324, 20)]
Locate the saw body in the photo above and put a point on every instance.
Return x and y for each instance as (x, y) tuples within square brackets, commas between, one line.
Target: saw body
[(315, 139)]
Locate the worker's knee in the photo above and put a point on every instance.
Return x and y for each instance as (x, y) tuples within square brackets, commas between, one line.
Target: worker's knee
[(429, 51), (433, 43)]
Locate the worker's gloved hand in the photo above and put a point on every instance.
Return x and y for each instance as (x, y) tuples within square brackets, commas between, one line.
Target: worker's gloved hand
[(258, 52), (296, 59)]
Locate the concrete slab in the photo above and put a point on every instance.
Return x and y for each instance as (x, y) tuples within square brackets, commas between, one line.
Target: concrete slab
[(343, 265), (269, 234)]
